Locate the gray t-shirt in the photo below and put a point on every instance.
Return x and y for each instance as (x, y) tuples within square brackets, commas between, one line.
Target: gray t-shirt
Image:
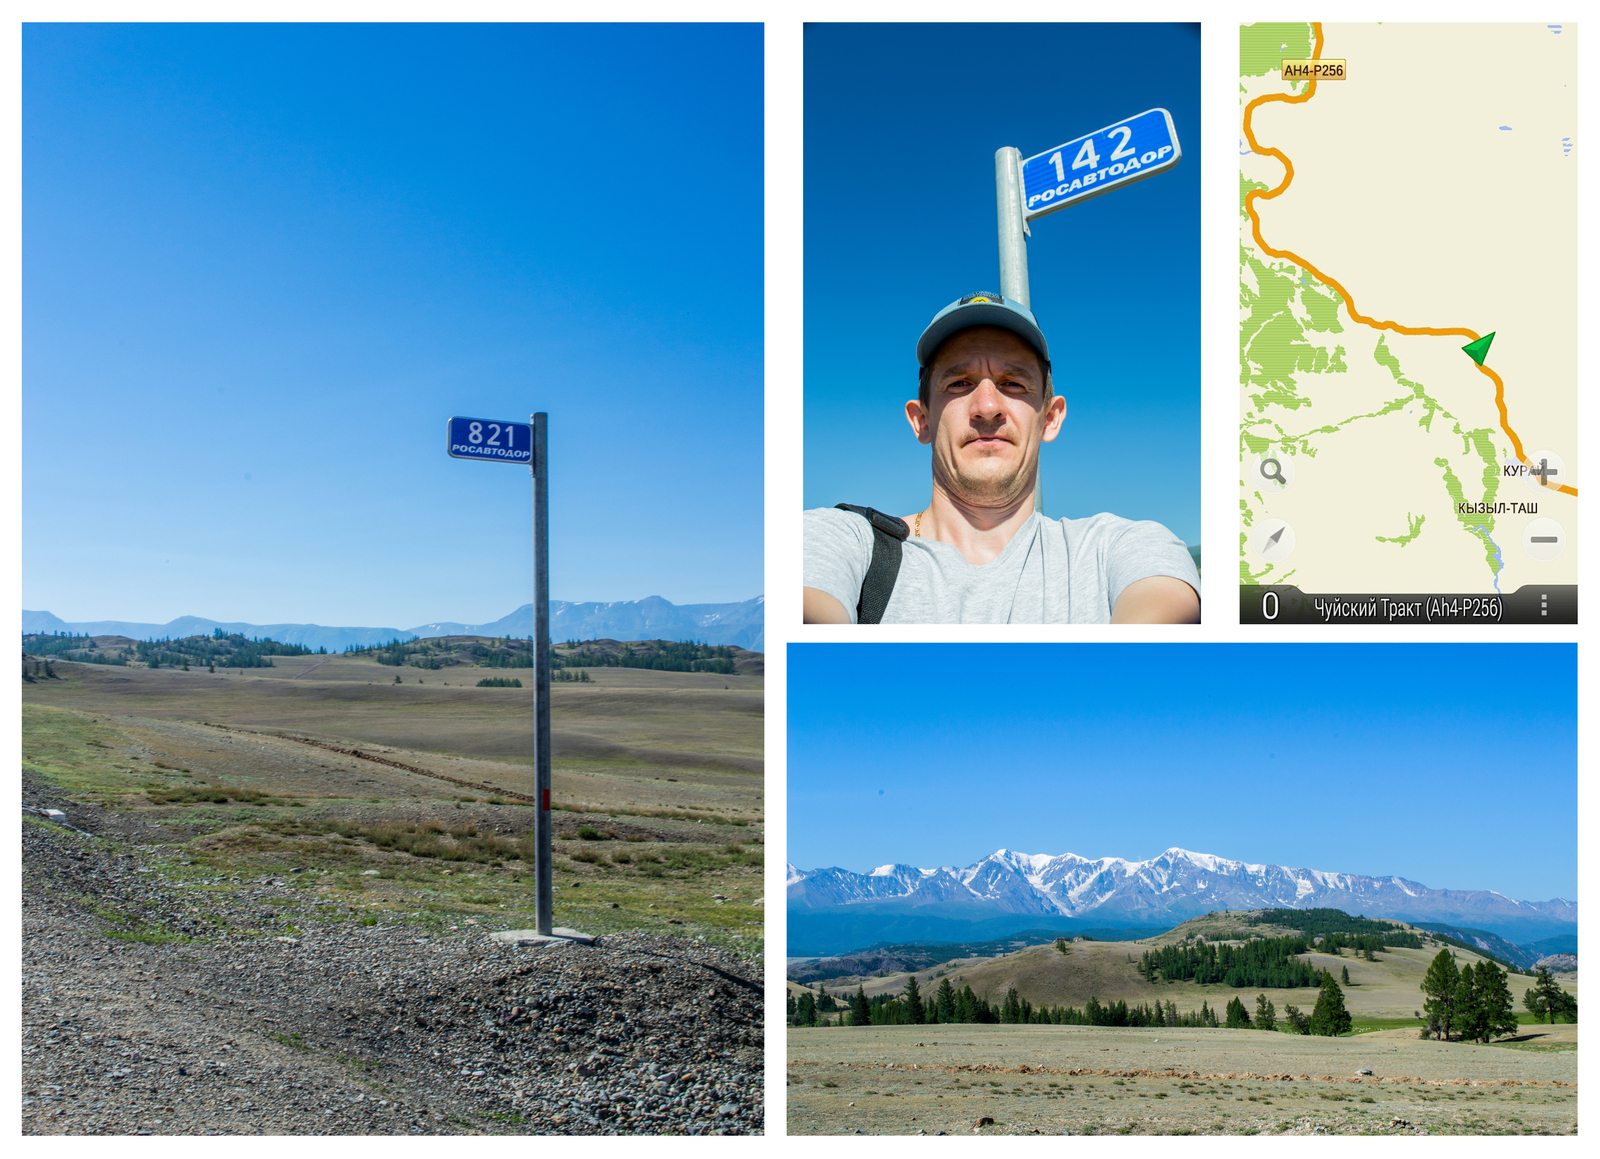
[(1054, 571)]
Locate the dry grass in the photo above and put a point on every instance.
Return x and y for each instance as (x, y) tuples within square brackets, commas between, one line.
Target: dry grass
[(1386, 989), (390, 844), (665, 745), (1088, 1080)]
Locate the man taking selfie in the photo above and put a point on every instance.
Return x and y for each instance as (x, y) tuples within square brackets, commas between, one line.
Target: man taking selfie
[(979, 553)]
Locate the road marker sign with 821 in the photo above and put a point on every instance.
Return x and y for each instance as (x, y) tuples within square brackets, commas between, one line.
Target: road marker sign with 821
[(489, 440)]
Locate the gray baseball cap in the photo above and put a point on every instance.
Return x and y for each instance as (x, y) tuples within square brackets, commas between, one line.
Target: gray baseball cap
[(981, 310)]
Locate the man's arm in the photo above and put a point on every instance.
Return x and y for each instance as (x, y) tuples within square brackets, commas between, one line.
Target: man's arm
[(1156, 599), (818, 607)]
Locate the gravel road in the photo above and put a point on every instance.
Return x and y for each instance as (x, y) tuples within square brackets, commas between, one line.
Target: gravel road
[(346, 1029)]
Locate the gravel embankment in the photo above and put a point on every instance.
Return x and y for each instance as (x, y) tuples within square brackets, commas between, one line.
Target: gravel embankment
[(352, 1029)]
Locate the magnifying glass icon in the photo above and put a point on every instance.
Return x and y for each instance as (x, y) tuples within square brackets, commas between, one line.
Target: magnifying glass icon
[(1272, 471)]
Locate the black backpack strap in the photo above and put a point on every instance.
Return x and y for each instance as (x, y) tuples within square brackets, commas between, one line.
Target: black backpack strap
[(878, 584)]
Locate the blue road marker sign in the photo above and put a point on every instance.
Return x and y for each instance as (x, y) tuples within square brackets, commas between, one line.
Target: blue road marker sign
[(1106, 159), (490, 440)]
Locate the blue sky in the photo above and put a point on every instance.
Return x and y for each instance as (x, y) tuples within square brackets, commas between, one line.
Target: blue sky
[(263, 264), (1453, 765), (901, 126)]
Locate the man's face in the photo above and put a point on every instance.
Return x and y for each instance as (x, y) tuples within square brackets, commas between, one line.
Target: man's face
[(986, 416)]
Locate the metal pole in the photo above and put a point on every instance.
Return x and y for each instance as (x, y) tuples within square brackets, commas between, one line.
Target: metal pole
[(1013, 230), (1013, 245), (541, 672)]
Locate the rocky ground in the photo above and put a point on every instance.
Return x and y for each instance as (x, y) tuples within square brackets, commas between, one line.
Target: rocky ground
[(158, 999)]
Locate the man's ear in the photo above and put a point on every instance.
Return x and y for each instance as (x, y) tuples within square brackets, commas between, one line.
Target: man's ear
[(1055, 411), (917, 416)]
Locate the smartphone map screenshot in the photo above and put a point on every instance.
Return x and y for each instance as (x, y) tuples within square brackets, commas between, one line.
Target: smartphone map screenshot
[(1408, 323)]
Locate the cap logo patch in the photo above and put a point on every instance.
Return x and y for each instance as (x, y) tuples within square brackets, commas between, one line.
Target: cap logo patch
[(971, 298)]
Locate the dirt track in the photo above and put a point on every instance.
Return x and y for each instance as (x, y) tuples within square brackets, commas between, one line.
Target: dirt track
[(1087, 1080)]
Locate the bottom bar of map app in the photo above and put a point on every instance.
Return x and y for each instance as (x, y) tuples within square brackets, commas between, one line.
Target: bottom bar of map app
[(1287, 604)]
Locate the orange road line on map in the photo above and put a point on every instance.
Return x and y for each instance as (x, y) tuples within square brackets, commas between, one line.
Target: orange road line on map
[(1349, 303)]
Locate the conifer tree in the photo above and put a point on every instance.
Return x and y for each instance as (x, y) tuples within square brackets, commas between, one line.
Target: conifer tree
[(1439, 986), (1344, 975), (806, 1010), (1266, 1016), (944, 1001), (1496, 1014), (1329, 1017), (1238, 1018), (1471, 1020), (914, 1011), (1547, 999), (1012, 1011), (860, 1011)]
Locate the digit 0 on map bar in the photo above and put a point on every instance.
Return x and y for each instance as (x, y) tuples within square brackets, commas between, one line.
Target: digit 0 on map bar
[(1313, 70), (1286, 604)]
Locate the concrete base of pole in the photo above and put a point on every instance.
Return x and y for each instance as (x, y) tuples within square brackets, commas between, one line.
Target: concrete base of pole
[(560, 934)]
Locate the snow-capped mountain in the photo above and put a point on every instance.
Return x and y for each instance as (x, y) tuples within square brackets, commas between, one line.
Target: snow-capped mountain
[(1170, 888)]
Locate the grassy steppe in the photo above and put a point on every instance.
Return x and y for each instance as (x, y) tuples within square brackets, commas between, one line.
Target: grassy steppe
[(658, 813), (1054, 1080)]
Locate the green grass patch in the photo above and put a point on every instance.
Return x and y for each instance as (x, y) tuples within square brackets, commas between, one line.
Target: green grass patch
[(357, 1063), (68, 749)]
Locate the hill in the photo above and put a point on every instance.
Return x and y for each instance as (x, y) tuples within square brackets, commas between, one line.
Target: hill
[(899, 959), (1385, 989), (237, 652), (740, 625)]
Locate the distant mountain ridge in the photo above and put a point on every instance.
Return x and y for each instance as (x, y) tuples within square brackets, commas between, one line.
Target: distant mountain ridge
[(1009, 887), (652, 618)]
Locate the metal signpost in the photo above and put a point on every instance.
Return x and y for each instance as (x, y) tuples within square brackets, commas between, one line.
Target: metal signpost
[(494, 441), (1106, 159)]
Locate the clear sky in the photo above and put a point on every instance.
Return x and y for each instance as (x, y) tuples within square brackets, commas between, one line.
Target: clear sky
[(901, 126), (263, 264), (1451, 765)]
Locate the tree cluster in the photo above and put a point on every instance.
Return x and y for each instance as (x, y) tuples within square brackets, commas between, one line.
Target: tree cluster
[(219, 650), (1335, 923), (1548, 1000), (1264, 962), (55, 643), (1472, 1002), (41, 669), (659, 655)]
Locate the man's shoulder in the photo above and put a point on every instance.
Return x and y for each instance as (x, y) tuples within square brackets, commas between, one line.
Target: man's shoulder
[(1107, 533), (833, 524), (1105, 525)]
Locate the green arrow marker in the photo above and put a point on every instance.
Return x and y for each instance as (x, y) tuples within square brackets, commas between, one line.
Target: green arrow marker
[(1479, 350)]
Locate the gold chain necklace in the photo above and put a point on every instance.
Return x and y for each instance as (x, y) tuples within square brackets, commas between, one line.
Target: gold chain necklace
[(918, 531)]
